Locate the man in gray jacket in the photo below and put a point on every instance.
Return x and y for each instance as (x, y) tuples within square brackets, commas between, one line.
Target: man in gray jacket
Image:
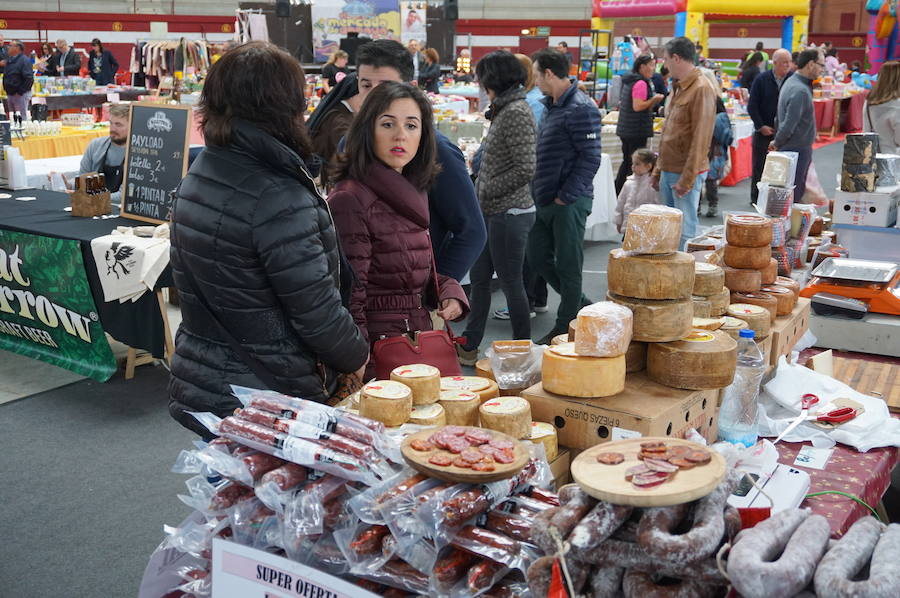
[(107, 154), (796, 130)]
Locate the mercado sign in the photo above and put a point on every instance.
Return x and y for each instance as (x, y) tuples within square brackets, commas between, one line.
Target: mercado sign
[(334, 19), (47, 311)]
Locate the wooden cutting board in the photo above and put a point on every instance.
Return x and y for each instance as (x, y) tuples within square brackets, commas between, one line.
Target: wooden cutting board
[(608, 483), (418, 460), (872, 378)]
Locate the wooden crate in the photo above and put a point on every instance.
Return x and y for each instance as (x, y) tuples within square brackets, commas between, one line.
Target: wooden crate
[(870, 378)]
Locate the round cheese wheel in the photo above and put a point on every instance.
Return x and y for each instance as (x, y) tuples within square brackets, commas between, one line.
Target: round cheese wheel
[(751, 258), (784, 281), (386, 401), (742, 280), (732, 327), (603, 329), (544, 433), (783, 296), (708, 279), (719, 302), (708, 323), (669, 276), (636, 357), (748, 230), (707, 257), (566, 373), (572, 331), (702, 307), (704, 359), (510, 415), (423, 380), (770, 272), (760, 299), (658, 321), (652, 228), (758, 318), (702, 244), (483, 387), (428, 415), (460, 407), (483, 368), (560, 339)]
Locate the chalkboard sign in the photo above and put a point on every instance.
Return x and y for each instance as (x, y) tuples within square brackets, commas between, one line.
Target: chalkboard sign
[(156, 158)]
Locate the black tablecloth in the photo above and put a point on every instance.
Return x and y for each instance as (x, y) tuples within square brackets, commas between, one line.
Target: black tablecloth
[(136, 324)]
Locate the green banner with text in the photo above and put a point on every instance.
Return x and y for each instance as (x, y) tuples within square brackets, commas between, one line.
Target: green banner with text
[(47, 311)]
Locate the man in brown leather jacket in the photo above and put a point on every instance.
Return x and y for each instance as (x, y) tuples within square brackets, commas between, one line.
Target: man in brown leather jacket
[(690, 118)]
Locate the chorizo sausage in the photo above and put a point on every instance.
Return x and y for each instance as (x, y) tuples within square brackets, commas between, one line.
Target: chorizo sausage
[(778, 556), (598, 525), (639, 584), (539, 575), (285, 477), (400, 488), (452, 566), (510, 525), (482, 575), (369, 540), (605, 582), (840, 565)]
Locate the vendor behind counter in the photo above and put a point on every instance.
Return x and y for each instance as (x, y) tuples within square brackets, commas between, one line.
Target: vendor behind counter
[(107, 154)]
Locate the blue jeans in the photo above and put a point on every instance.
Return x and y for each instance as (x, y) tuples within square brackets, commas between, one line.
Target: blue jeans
[(687, 204)]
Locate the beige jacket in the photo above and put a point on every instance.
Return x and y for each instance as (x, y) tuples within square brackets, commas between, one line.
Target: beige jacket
[(687, 132)]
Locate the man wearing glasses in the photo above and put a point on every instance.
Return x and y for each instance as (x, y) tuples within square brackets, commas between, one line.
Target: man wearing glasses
[(796, 116)]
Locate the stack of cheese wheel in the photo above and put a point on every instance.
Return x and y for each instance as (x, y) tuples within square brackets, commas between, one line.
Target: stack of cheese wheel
[(784, 297), (657, 288), (757, 318), (566, 373), (603, 330), (761, 299), (704, 359), (710, 295), (748, 255), (653, 229), (460, 407), (423, 380), (386, 401), (733, 326)]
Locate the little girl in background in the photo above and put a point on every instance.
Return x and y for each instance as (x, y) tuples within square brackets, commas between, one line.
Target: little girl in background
[(637, 189)]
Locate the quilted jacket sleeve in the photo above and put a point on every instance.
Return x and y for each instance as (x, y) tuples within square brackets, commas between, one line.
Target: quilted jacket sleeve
[(584, 134), (291, 237), (350, 222)]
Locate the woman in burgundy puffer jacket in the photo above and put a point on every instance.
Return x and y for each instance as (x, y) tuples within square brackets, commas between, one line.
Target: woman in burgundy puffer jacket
[(380, 211)]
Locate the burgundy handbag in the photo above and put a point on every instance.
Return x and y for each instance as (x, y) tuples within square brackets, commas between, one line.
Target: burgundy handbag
[(432, 347)]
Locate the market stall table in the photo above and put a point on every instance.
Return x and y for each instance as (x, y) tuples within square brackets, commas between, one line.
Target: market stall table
[(137, 324), (73, 141), (39, 170), (741, 153), (57, 103), (829, 112), (864, 475)]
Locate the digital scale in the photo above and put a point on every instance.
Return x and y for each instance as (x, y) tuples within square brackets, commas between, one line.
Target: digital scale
[(854, 287), (785, 485)]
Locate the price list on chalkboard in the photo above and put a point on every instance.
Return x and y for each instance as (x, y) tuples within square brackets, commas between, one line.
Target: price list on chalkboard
[(156, 160)]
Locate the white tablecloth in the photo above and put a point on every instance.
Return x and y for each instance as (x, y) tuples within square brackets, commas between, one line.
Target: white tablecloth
[(600, 225), (38, 170), (741, 129)]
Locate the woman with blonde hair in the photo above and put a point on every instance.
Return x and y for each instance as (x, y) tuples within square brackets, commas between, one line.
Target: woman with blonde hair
[(882, 111), (533, 95), (334, 70)]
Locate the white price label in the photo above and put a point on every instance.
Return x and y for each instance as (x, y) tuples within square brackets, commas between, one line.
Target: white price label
[(624, 433)]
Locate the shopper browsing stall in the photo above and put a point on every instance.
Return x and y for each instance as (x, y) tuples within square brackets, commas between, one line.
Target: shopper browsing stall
[(102, 65), (636, 104), (763, 107), (380, 210), (255, 255), (882, 112), (65, 62), (18, 79)]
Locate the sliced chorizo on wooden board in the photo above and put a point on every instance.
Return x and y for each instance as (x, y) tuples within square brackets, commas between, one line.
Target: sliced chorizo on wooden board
[(423, 462), (609, 483)]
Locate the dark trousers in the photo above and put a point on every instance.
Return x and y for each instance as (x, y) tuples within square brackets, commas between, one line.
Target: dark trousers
[(629, 146), (535, 286), (712, 194), (505, 254), (760, 150), (804, 159), (556, 252)]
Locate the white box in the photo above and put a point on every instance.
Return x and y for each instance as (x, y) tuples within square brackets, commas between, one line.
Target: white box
[(869, 242), (878, 208)]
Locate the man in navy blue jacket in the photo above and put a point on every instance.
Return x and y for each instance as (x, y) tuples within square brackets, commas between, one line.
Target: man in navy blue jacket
[(568, 156), (457, 227), (763, 107)]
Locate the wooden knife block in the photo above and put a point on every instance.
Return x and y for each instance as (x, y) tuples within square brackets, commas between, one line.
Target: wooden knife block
[(88, 206)]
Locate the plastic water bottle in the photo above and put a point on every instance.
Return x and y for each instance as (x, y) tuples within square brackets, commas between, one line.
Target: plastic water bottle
[(737, 416)]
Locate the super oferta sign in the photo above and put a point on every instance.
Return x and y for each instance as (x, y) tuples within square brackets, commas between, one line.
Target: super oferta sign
[(47, 311)]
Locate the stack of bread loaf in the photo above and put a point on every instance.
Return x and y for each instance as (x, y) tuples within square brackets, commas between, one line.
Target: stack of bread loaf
[(417, 394)]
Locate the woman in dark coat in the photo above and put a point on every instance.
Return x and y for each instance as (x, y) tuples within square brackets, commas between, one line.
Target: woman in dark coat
[(102, 65), (430, 76), (260, 246), (380, 209), (751, 70), (636, 104)]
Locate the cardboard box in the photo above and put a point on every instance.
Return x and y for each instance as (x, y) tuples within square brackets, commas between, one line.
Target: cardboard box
[(560, 468), (644, 408), (878, 208), (788, 330)]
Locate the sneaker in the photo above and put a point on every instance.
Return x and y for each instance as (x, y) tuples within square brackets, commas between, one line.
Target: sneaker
[(503, 314), (550, 335), (467, 356), (712, 213), (541, 309)]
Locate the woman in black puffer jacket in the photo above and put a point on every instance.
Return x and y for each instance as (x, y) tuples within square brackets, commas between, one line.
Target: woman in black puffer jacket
[(259, 242)]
